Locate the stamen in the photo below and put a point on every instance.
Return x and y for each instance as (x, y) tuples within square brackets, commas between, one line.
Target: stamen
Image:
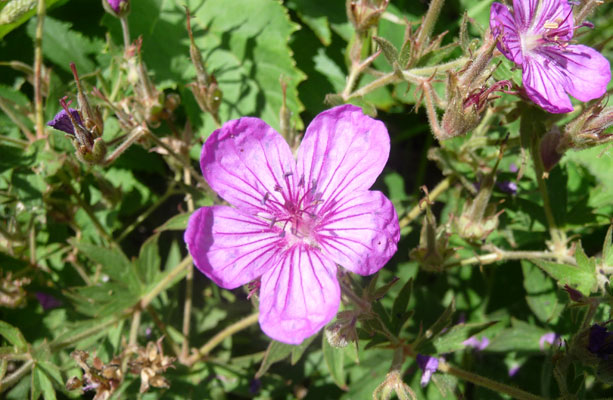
[(265, 198)]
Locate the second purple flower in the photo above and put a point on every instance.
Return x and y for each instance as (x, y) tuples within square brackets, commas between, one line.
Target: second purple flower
[(294, 220), (536, 36)]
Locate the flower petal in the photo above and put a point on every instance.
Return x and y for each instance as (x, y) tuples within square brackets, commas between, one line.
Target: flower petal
[(503, 26), (299, 296), (553, 16), (360, 232), (524, 12), (230, 247), (247, 163), (343, 150), (588, 71), (545, 83)]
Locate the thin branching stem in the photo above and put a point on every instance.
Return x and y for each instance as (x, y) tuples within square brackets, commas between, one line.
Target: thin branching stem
[(38, 66), (421, 206), (221, 336)]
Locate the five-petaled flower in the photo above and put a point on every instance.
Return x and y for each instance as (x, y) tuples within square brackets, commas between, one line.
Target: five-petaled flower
[(294, 220), (536, 35)]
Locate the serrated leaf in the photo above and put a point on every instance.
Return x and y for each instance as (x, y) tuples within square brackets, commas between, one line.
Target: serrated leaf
[(275, 352), (63, 45), (401, 302), (453, 339), (16, 12), (299, 350), (389, 50), (520, 337), (14, 336), (244, 44), (335, 360), (175, 223), (149, 260), (576, 277), (114, 263), (41, 384), (541, 293)]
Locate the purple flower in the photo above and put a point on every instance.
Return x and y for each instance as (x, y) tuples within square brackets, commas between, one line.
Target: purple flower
[(427, 364), (513, 370), (61, 121), (294, 220), (47, 301), (477, 344), (508, 187), (116, 4), (600, 342), (536, 35), (552, 338)]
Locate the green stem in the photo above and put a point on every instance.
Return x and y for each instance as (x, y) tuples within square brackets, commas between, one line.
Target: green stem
[(24, 129), (423, 37), (500, 255), (38, 65), (189, 281), (227, 332), (16, 376), (175, 273), (125, 29), (136, 134), (479, 380), (558, 236), (421, 206), (169, 192)]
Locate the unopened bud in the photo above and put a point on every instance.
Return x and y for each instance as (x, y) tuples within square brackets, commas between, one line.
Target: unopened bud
[(433, 249), (551, 148), (364, 14), (341, 333), (118, 8), (479, 218), (587, 129)]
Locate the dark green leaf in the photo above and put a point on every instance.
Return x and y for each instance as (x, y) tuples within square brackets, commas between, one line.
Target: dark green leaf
[(453, 339), (14, 336), (276, 351), (335, 360), (176, 223), (389, 50)]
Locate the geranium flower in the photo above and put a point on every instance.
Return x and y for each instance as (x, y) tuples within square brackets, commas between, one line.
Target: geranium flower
[(428, 365), (62, 122), (294, 220), (536, 35)]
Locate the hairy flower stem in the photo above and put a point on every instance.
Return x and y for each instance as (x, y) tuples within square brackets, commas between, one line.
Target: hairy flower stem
[(38, 65), (413, 75), (125, 29), (136, 134), (421, 206), (162, 327), (217, 339), (16, 376), (132, 341), (189, 279), (425, 30), (501, 255)]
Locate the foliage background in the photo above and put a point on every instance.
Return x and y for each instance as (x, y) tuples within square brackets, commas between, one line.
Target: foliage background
[(49, 202)]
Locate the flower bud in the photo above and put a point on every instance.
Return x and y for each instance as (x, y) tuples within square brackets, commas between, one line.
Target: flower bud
[(587, 129), (364, 14), (118, 8), (433, 249), (551, 148), (479, 218)]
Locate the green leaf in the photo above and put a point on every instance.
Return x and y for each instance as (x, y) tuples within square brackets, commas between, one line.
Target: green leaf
[(41, 384), (244, 45), (399, 308), (299, 350), (541, 294), (389, 50), (453, 339), (175, 223), (520, 337), (14, 336), (607, 254), (114, 263), (582, 277), (149, 260), (276, 351), (335, 360), (16, 12), (63, 45)]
